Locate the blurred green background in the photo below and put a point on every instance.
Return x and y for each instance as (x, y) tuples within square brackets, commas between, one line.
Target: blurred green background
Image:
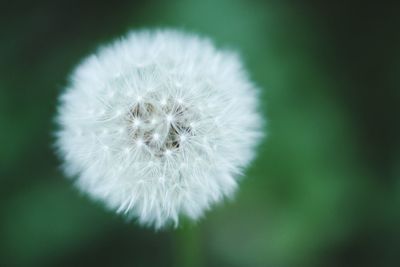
[(324, 190)]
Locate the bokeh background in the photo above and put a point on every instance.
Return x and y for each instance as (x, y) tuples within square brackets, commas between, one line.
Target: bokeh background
[(324, 190)]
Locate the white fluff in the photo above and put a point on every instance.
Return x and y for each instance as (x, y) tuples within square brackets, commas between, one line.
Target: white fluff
[(158, 124)]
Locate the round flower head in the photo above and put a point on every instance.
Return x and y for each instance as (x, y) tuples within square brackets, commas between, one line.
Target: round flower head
[(158, 124)]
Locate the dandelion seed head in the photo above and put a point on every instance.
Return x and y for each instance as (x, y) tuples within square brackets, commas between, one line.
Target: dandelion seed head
[(166, 125)]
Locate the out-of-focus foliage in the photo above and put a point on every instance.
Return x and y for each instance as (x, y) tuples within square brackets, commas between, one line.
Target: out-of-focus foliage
[(324, 191)]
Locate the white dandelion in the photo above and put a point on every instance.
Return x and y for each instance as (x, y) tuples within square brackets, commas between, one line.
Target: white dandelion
[(157, 125)]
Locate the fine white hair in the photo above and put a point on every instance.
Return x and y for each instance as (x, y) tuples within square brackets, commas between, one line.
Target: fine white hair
[(157, 125)]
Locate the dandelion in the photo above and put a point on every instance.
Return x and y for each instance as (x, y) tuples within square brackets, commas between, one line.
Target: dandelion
[(157, 125)]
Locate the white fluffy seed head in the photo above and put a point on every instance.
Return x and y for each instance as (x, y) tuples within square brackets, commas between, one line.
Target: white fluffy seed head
[(157, 125)]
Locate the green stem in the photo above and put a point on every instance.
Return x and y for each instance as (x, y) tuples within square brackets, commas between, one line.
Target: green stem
[(188, 246)]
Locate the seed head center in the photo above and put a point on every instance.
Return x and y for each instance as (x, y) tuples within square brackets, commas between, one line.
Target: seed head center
[(160, 125)]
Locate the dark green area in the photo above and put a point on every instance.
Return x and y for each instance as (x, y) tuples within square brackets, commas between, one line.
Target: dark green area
[(324, 190)]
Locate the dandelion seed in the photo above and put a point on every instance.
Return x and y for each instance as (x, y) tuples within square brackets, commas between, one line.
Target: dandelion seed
[(170, 118), (137, 123), (156, 136), (139, 142)]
